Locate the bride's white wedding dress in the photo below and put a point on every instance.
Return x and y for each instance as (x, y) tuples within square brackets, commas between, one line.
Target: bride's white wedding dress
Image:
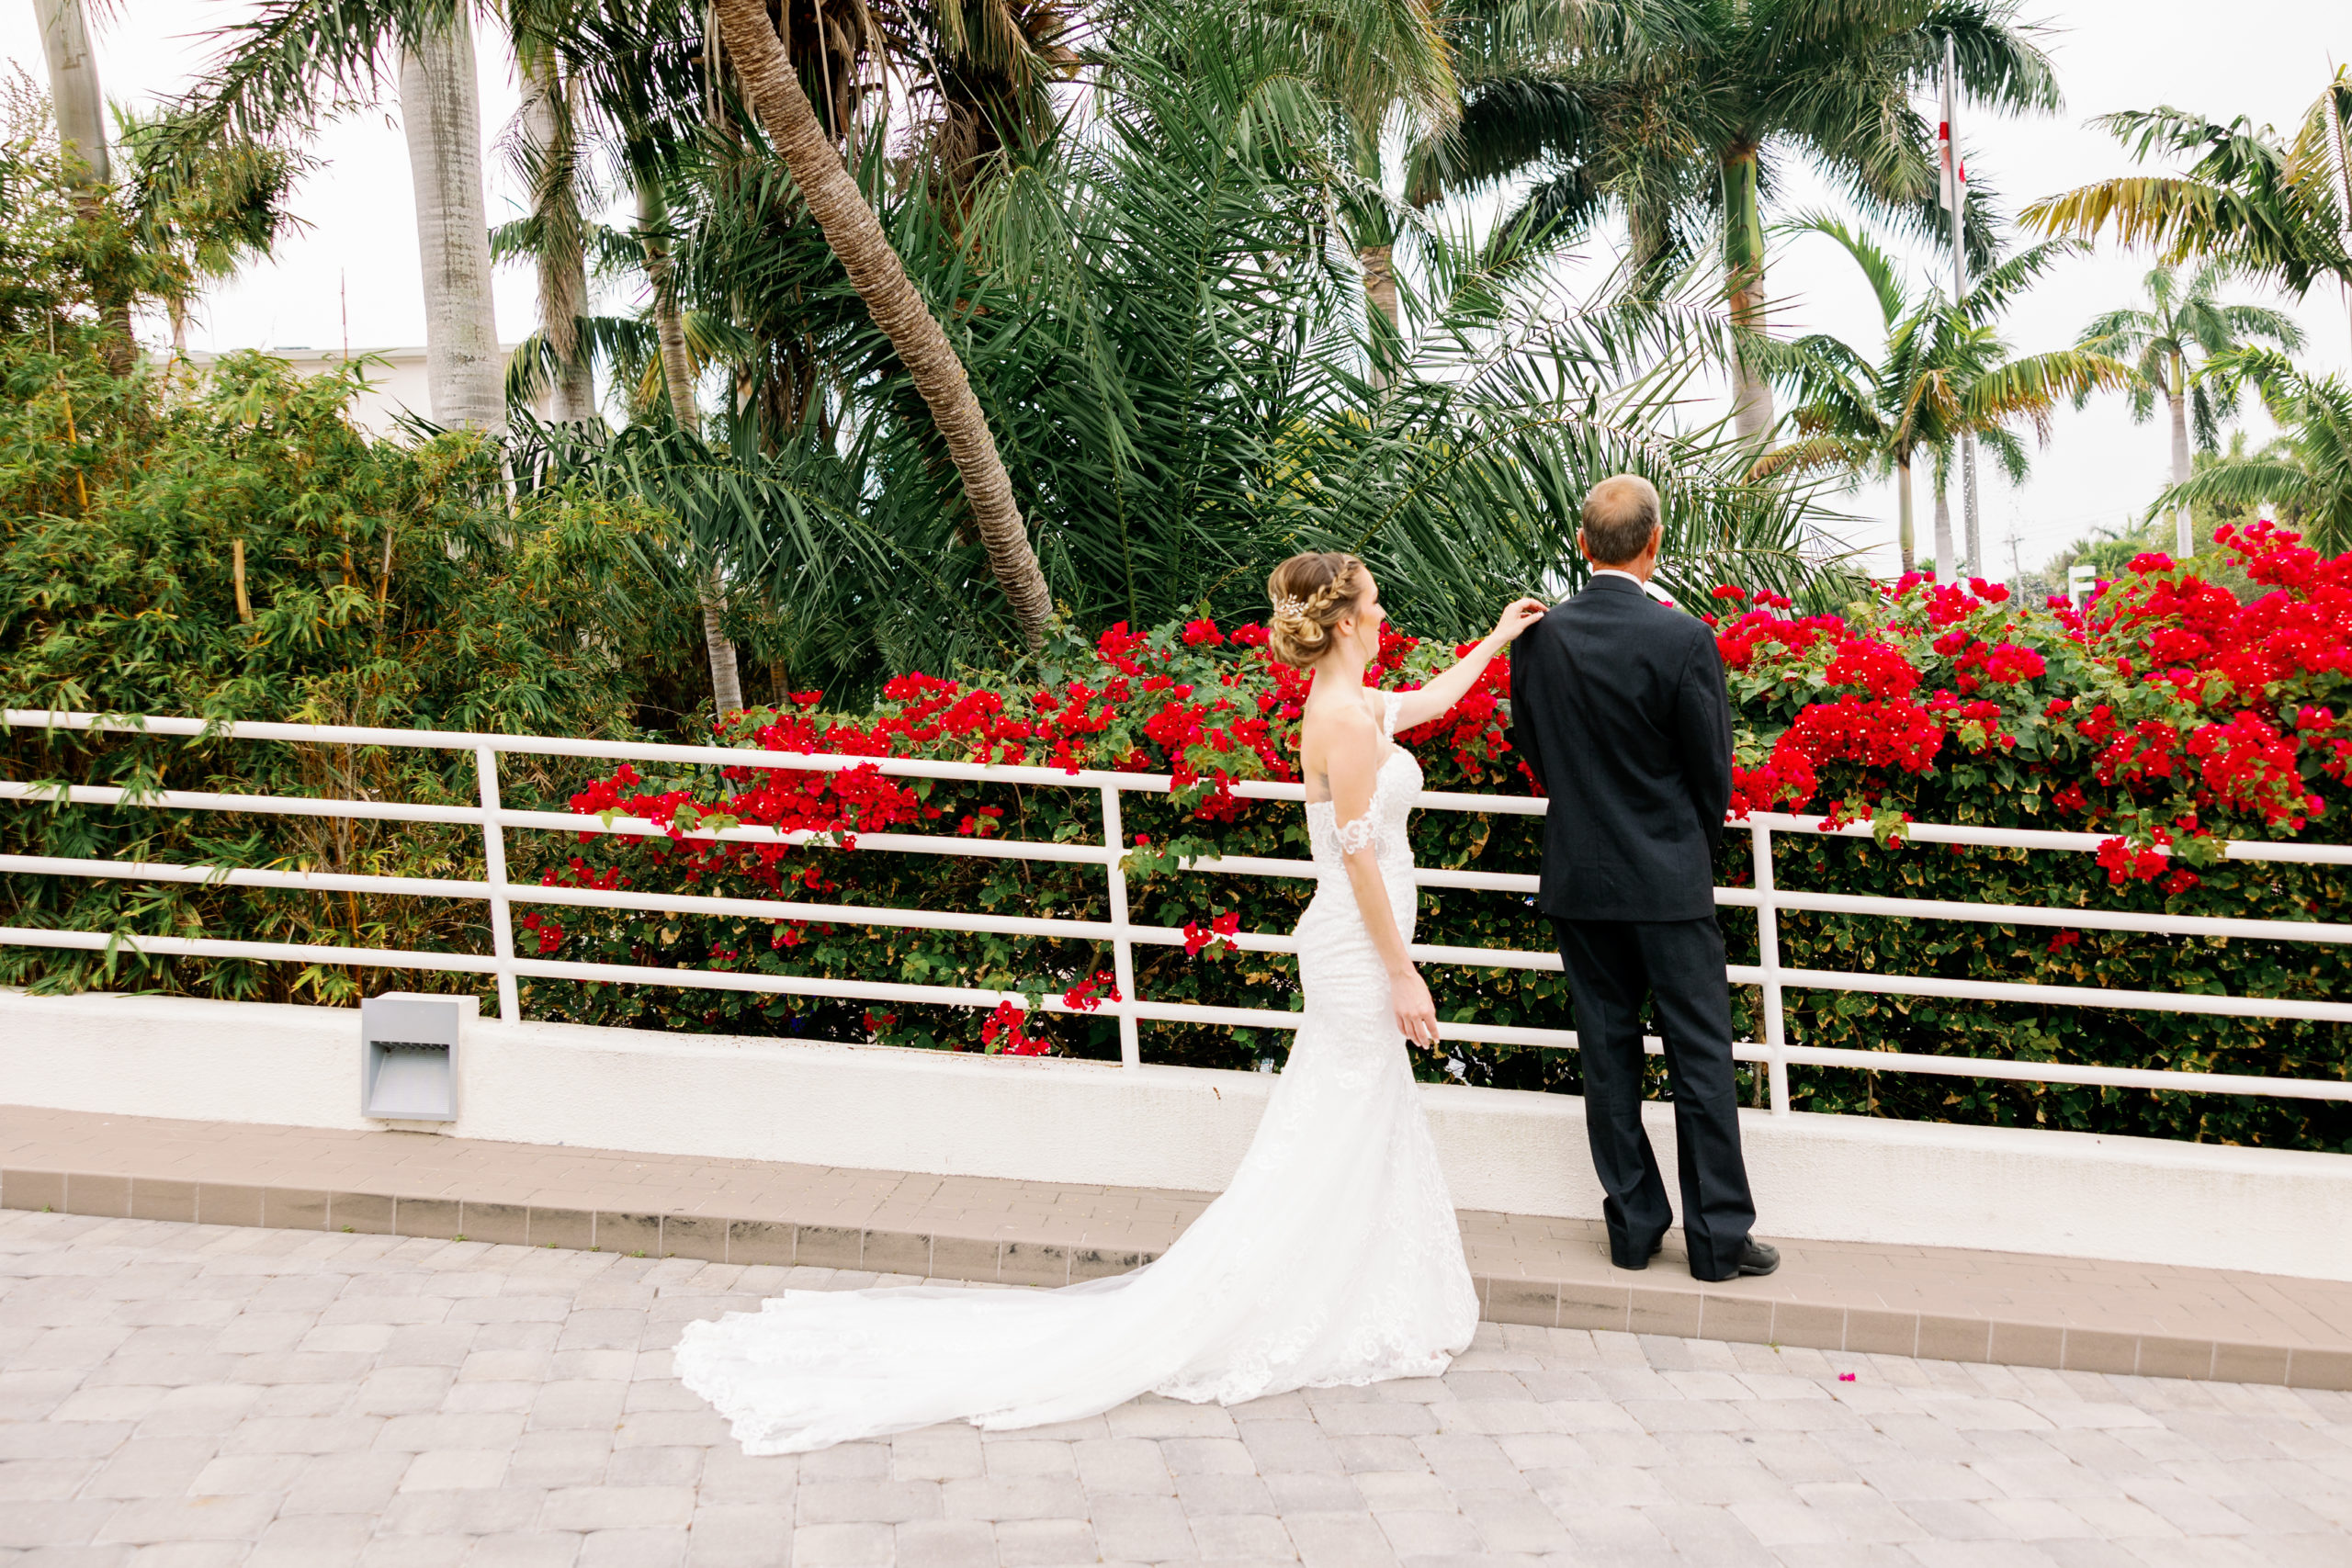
[(1333, 1258)]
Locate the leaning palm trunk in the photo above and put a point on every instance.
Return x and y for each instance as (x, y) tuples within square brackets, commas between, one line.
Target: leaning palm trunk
[(81, 111), (677, 380), (855, 237), (441, 113), (550, 166)]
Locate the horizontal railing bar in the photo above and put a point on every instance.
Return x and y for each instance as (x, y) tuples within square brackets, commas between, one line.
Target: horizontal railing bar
[(614, 750), (752, 757), (815, 914), (240, 876), (2038, 838), (2068, 1072), (902, 843), (2037, 915), (223, 947), (267, 805), (1474, 957), (550, 821), (2062, 996), (1179, 1012)]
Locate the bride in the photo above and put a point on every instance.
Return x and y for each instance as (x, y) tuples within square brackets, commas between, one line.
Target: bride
[(1333, 1258)]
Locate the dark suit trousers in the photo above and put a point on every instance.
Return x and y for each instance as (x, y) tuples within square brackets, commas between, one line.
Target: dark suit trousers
[(1611, 965)]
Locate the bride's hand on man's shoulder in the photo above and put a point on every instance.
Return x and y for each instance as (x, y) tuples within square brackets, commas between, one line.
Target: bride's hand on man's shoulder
[(1518, 615)]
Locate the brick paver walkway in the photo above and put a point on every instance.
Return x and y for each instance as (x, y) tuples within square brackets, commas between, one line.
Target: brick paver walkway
[(179, 1395), (2014, 1308)]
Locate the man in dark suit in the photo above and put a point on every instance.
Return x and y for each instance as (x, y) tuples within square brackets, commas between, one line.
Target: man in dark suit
[(1619, 709)]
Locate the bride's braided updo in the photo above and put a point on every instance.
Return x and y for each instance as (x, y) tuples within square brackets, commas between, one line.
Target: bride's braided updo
[(1312, 594)]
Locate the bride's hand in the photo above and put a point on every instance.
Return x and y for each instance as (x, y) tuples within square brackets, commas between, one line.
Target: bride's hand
[(1416, 1010), (1517, 617)]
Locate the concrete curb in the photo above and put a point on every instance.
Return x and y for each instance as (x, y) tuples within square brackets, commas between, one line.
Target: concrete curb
[(1640, 1306)]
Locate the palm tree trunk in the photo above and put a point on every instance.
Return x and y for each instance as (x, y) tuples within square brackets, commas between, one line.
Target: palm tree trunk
[(677, 378), (81, 110), (1751, 394), (441, 113), (2183, 536), (1947, 569), (548, 165), (1903, 534), (669, 326), (1380, 280), (880, 279), (1645, 263)]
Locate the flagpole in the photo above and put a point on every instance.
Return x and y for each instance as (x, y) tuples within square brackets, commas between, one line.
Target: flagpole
[(1956, 185)]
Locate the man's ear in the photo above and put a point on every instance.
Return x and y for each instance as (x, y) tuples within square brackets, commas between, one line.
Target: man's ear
[(1582, 549)]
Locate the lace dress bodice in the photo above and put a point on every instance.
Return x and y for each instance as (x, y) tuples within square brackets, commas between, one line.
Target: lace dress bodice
[(1383, 823)]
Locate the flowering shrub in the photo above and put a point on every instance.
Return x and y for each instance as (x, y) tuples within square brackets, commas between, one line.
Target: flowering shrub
[(2170, 718)]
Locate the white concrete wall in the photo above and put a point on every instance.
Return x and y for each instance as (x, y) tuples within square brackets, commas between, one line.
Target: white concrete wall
[(874, 1107)]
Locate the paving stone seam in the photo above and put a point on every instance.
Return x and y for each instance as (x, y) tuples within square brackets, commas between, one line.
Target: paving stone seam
[(1638, 1308)]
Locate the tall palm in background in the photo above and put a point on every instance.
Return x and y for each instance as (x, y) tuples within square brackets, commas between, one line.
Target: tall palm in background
[(2174, 342), (2278, 209), (1941, 373), (294, 62), (2306, 472), (80, 108), (1676, 113)]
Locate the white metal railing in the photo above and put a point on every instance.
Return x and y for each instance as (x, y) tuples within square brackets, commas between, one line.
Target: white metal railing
[(1775, 1051)]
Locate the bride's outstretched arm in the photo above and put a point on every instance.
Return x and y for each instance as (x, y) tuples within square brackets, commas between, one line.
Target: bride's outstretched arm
[(1433, 700), (1353, 759)]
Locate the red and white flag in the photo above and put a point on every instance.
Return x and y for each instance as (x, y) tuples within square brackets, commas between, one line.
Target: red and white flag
[(1951, 174)]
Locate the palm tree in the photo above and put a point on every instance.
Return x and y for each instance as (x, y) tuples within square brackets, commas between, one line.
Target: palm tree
[(2307, 472), (2173, 342), (855, 236), (1942, 373), (1674, 113), (81, 110), (441, 117), (2280, 211), (294, 59), (547, 153)]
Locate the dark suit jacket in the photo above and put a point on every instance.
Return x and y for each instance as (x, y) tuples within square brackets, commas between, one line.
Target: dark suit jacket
[(1619, 707)]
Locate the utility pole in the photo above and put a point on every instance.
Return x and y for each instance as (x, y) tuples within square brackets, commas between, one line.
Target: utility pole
[(1954, 182)]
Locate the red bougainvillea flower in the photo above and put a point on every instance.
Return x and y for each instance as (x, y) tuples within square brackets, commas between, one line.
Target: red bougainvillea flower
[(2125, 864), (1219, 932), (1880, 669), (1002, 1032), (1090, 993), (2249, 765)]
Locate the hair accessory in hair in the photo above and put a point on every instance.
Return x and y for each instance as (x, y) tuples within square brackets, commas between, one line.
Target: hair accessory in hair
[(1289, 608)]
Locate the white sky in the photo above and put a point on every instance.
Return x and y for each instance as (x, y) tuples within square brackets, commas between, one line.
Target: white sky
[(2265, 59)]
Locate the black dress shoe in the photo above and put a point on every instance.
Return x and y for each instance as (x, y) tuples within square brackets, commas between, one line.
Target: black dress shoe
[(1755, 1257), (1656, 1247)]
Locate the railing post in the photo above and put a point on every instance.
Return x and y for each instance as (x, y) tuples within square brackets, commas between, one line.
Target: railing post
[(493, 867), (1767, 949), (1123, 951)]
